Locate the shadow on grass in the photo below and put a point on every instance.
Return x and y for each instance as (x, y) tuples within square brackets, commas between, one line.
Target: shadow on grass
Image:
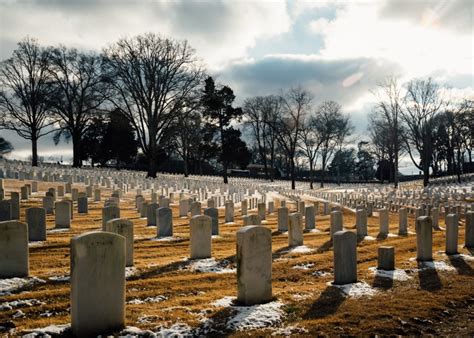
[(381, 236), (429, 278), (326, 246), (461, 266), (280, 252), (327, 304), (383, 282)]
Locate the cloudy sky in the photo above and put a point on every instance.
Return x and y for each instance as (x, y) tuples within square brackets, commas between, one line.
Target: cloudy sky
[(339, 50)]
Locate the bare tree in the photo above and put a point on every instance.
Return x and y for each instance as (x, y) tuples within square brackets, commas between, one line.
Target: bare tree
[(78, 94), (423, 102), (260, 113), (332, 127), (287, 128), (150, 77), (385, 118), (310, 142), (25, 87)]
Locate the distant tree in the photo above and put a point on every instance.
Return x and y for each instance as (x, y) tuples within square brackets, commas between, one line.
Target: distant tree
[(261, 113), (343, 163), (423, 103), (310, 142), (383, 170), (364, 167), (93, 142), (78, 93), (235, 151), (25, 85), (218, 110), (150, 77), (119, 142), (289, 125), (5, 147), (332, 127)]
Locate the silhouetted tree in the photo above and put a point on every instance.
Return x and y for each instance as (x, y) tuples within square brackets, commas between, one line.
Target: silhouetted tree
[(150, 77), (119, 142), (25, 85), (218, 110), (343, 163), (364, 167), (235, 151), (78, 93), (5, 147), (93, 142)]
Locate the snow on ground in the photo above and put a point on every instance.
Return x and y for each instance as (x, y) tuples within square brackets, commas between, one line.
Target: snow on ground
[(289, 331), (355, 290), (252, 317), (52, 231), (369, 238), (13, 284), (300, 249), (48, 331), (166, 239), (63, 278), (35, 244), (130, 271), (155, 299), (397, 274), (321, 273), (392, 235), (303, 266), (211, 265), (7, 306), (438, 265)]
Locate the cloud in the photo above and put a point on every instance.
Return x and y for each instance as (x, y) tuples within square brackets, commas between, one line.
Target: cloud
[(219, 30)]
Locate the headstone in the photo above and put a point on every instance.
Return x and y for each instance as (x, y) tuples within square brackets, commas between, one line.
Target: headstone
[(469, 235), (97, 195), (164, 222), (109, 213), (15, 199), (435, 218), (309, 218), (243, 207), (213, 213), (295, 230), (24, 193), (383, 222), (452, 232), (13, 249), (36, 220), (424, 239), (361, 222), (336, 222), (254, 265), (229, 211), (144, 209), (63, 214), (60, 190), (5, 210), (183, 208), (402, 221), (251, 219), (82, 205), (283, 219), (261, 210), (48, 205), (151, 214), (123, 227), (97, 283), (345, 257), (195, 208), (200, 239), (386, 258)]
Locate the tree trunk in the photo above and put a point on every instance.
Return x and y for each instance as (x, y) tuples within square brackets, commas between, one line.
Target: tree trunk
[(76, 150), (153, 163), (293, 184), (322, 171), (224, 174), (311, 174), (185, 160), (34, 151)]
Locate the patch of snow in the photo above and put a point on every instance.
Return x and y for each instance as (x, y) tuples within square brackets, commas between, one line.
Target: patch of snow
[(315, 230), (321, 273), (303, 266), (12, 284), (356, 290), (165, 239), (52, 231), (155, 299), (301, 296), (49, 330), (215, 236), (397, 274), (252, 317), (7, 306), (63, 278), (369, 238), (35, 244), (300, 249), (289, 330), (438, 265), (130, 271), (392, 235), (211, 265)]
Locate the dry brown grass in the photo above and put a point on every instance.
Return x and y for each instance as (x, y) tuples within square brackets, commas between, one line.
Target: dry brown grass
[(162, 271)]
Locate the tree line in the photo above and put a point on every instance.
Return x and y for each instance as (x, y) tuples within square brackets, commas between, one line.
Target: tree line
[(146, 99)]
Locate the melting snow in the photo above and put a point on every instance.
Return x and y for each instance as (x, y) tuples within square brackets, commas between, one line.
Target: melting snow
[(49, 330), (440, 266), (300, 249), (166, 239), (252, 317), (12, 284), (7, 306), (52, 231), (35, 244), (63, 278), (303, 266), (211, 265), (369, 238), (155, 299), (355, 290), (397, 274), (130, 271)]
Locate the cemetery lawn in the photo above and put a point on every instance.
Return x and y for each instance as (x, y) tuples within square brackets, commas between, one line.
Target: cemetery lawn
[(165, 288)]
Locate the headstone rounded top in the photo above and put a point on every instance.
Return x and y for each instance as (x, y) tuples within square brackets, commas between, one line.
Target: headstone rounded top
[(345, 233), (201, 218), (97, 236), (254, 228)]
